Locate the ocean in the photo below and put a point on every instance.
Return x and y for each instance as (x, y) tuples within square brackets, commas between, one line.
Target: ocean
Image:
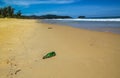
[(102, 25)]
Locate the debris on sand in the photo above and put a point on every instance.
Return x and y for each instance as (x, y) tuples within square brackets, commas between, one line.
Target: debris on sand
[(49, 55), (50, 28), (17, 71)]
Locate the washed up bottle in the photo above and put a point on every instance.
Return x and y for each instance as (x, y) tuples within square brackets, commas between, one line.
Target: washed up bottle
[(49, 55)]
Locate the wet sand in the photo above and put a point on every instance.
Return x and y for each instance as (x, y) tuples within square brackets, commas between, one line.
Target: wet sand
[(80, 53)]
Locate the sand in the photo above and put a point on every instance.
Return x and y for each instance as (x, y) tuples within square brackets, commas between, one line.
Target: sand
[(80, 53)]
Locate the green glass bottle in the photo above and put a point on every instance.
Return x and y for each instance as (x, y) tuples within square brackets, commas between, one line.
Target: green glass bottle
[(49, 55)]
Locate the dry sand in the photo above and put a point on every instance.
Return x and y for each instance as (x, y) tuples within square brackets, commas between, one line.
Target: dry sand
[(80, 53)]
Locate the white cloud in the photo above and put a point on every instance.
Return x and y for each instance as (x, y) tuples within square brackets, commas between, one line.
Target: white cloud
[(30, 2)]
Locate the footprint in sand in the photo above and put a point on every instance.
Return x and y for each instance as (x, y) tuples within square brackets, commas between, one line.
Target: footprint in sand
[(14, 69)]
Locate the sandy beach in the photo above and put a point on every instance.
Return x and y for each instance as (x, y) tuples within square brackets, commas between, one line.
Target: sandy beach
[(79, 53)]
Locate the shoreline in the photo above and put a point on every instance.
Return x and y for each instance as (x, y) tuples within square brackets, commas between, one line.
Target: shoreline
[(114, 30), (91, 19), (79, 53)]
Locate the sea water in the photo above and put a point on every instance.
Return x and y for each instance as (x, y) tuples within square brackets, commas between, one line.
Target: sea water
[(103, 25)]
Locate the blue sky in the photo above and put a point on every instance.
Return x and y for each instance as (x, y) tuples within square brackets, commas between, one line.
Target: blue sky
[(74, 8)]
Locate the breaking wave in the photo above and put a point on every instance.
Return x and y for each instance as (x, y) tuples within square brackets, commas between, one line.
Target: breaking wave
[(114, 19)]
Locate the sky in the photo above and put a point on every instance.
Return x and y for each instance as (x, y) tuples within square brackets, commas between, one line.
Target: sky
[(74, 8)]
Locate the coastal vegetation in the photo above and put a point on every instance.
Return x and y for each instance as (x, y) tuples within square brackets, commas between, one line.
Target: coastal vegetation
[(81, 17), (48, 16), (9, 12)]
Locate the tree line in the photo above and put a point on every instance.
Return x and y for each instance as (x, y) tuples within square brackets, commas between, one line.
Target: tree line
[(48, 16), (9, 12)]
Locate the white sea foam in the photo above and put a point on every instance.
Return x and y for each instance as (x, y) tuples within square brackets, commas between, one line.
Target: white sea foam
[(114, 19)]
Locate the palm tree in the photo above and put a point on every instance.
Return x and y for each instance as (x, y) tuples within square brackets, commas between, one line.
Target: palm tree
[(0, 12), (9, 12), (5, 12)]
